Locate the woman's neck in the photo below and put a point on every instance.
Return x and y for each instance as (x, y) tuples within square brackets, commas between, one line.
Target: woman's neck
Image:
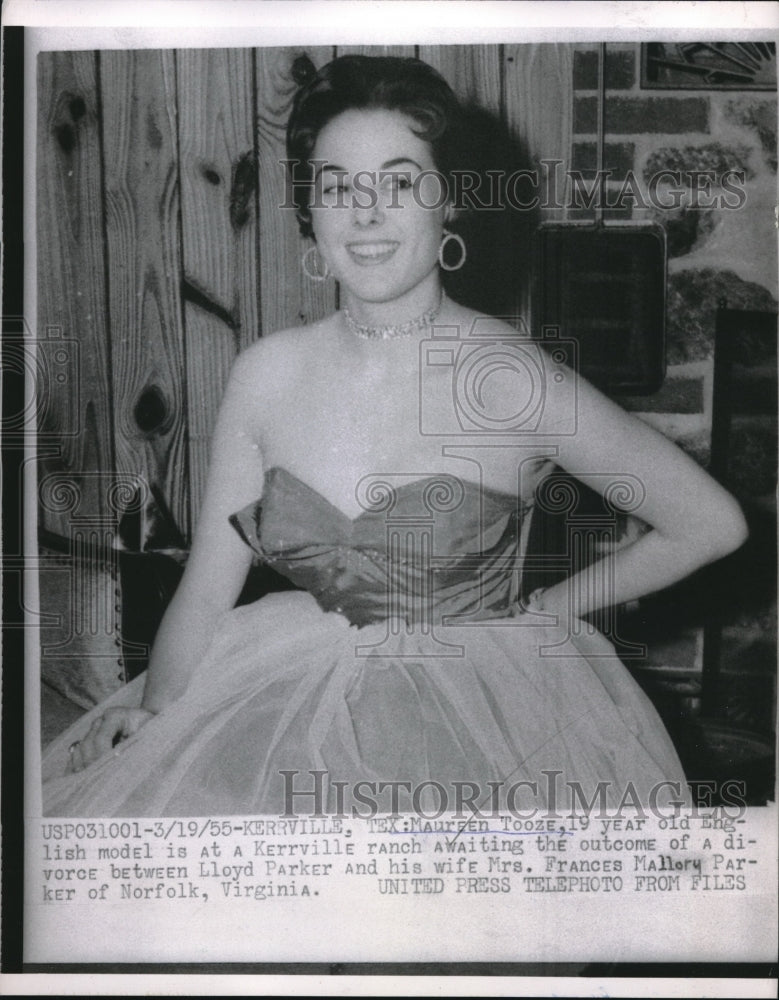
[(424, 298)]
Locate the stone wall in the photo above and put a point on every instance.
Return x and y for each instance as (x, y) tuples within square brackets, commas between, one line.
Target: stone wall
[(715, 252)]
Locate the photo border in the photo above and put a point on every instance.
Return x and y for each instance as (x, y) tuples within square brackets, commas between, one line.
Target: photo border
[(15, 41)]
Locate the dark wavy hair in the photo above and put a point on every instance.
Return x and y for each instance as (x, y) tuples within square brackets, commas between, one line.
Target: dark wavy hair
[(351, 83)]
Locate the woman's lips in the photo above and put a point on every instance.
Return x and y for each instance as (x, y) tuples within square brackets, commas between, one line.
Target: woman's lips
[(369, 254)]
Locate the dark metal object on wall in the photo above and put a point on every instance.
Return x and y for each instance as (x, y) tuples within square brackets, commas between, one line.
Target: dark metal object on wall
[(602, 285)]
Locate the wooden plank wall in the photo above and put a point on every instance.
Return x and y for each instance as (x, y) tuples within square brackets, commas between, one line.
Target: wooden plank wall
[(219, 232), (143, 253), (76, 414), (78, 582), (287, 297), (163, 250)]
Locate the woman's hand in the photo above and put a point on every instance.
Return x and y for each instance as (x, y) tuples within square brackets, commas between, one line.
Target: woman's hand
[(114, 725)]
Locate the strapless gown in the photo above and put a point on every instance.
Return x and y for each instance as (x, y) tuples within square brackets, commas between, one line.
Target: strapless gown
[(402, 659)]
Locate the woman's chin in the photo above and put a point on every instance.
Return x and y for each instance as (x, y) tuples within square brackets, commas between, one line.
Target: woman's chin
[(380, 286)]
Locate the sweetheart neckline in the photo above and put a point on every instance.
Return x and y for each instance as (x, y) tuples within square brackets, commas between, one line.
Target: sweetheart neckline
[(466, 483)]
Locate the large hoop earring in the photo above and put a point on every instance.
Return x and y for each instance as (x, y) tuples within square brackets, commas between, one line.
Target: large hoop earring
[(463, 252), (319, 274)]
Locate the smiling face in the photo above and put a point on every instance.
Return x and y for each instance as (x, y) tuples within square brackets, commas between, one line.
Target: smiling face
[(373, 225)]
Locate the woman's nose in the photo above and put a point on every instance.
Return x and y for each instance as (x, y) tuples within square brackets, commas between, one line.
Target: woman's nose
[(368, 204), (369, 212)]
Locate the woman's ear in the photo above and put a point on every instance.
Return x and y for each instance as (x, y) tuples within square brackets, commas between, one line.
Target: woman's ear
[(450, 214)]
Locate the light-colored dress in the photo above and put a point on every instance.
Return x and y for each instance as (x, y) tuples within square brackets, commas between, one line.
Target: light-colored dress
[(401, 660)]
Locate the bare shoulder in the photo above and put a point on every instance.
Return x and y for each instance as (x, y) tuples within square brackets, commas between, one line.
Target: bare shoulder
[(471, 323), (497, 373), (274, 349), (278, 358)]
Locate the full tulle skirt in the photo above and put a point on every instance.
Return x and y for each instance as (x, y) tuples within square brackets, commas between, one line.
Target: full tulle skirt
[(286, 687)]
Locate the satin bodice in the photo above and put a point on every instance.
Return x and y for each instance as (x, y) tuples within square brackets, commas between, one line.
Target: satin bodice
[(287, 684), (420, 549)]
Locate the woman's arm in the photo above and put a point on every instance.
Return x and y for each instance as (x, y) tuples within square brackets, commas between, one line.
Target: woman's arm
[(215, 572), (219, 560), (694, 520)]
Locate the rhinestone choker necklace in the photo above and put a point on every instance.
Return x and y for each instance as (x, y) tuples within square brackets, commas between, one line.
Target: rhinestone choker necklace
[(392, 332)]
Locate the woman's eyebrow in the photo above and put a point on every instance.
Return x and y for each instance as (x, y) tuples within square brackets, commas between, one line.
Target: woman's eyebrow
[(332, 167), (398, 160), (387, 165)]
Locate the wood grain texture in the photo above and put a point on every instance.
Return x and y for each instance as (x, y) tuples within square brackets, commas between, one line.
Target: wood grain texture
[(80, 503), (538, 102), (472, 71), (287, 297), (538, 107), (74, 404), (144, 267), (375, 50), (218, 169)]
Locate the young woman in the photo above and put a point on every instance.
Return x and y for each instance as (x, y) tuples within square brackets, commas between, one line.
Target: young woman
[(340, 456)]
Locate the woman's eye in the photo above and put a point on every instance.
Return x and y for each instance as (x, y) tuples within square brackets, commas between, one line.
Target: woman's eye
[(399, 182)]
